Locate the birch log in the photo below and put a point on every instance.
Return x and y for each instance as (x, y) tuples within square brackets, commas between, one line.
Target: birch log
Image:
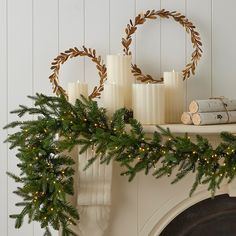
[(210, 118), (212, 105), (186, 118)]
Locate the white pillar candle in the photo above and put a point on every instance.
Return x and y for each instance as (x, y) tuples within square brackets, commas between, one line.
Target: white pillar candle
[(174, 97), (119, 72), (149, 103), (113, 98), (75, 90)]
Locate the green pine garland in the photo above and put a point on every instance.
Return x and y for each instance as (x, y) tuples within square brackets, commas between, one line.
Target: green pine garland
[(47, 174)]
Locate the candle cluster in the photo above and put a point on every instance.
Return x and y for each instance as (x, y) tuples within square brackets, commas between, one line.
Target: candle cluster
[(151, 103)]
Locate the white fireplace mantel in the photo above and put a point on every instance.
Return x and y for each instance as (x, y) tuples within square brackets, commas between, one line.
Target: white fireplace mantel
[(110, 206), (194, 129)]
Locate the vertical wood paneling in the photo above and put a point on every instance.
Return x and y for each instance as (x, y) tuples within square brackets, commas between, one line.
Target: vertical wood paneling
[(148, 38), (199, 86), (224, 50), (71, 34), (172, 38), (3, 117), (19, 85), (96, 35), (45, 48), (45, 42), (118, 23)]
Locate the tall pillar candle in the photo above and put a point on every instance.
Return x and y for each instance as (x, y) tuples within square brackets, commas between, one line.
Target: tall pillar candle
[(75, 90), (149, 103), (174, 97), (113, 98), (119, 72)]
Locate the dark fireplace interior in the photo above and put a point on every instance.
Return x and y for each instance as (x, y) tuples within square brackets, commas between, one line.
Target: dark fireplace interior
[(210, 217)]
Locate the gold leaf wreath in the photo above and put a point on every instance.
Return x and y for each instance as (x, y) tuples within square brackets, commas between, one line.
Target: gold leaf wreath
[(178, 17), (72, 53)]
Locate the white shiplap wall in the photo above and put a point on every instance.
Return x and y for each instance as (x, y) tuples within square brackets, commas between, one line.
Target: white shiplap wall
[(32, 32)]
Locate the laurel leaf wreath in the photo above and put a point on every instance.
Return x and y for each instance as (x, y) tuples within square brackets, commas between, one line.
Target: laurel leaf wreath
[(72, 53), (164, 14)]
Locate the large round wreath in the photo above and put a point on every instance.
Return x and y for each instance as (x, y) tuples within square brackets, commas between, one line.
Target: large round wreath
[(47, 172), (176, 16)]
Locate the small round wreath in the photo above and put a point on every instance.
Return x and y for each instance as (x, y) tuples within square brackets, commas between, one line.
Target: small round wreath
[(75, 52), (178, 17)]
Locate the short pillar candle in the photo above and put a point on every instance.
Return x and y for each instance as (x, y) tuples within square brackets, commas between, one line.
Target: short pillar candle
[(174, 97), (75, 90), (149, 103)]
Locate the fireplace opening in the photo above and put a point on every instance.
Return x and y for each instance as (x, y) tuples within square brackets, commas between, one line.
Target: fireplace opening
[(210, 217)]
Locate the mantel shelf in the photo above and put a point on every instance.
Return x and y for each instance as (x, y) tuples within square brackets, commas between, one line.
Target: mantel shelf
[(193, 129)]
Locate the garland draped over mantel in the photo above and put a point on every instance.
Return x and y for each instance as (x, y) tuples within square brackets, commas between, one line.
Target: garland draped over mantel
[(47, 174)]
